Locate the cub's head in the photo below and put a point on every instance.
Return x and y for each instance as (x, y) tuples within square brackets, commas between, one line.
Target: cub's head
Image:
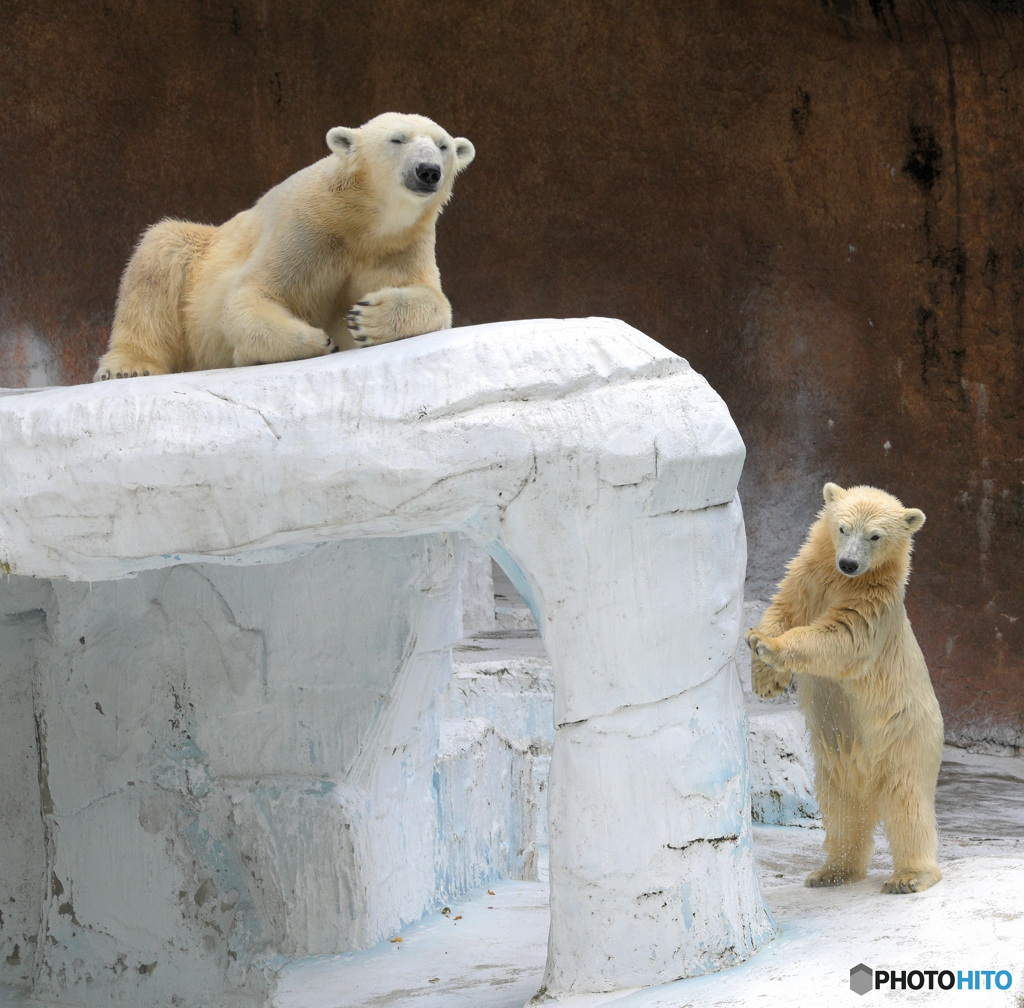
[(405, 156), (868, 527)]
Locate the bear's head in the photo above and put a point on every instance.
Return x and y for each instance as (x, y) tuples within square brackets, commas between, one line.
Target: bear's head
[(404, 156), (868, 526)]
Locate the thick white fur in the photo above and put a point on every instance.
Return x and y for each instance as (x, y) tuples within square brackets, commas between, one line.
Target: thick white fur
[(338, 255), (863, 685)]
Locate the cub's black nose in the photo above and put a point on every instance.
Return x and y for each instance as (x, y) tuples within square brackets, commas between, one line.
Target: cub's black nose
[(848, 566), (428, 174)]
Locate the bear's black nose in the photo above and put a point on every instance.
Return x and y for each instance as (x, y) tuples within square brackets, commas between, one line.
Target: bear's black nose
[(428, 174), (848, 566)]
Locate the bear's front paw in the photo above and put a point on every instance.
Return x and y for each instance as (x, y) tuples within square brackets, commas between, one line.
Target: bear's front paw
[(761, 647), (372, 321), (750, 638), (766, 673), (394, 313), (767, 681)]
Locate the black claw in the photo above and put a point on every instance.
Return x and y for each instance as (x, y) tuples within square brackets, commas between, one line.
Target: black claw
[(336, 349), (363, 303)]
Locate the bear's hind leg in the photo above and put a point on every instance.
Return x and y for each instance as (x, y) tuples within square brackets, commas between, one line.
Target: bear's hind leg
[(146, 337), (910, 828), (122, 362), (849, 813)]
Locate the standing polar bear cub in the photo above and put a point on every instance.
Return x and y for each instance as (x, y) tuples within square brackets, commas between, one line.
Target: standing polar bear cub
[(837, 622), (338, 255)]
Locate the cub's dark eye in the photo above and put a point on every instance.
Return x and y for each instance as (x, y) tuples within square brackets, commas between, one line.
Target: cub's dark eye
[(842, 530), (397, 140), (443, 147), (875, 537)]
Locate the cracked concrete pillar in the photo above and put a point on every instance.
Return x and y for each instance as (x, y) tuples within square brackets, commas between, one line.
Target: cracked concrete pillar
[(651, 856), (637, 586), (253, 602)]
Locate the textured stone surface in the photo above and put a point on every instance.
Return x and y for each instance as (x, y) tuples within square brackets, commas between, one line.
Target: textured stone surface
[(239, 723), (781, 767), (229, 767), (827, 226)]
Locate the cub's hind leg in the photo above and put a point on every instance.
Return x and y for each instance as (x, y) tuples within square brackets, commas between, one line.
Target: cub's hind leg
[(909, 818), (849, 812)]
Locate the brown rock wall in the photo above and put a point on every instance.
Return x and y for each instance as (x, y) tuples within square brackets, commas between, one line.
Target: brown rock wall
[(819, 204)]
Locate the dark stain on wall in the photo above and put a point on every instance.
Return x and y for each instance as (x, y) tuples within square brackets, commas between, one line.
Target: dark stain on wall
[(819, 203), (924, 162)]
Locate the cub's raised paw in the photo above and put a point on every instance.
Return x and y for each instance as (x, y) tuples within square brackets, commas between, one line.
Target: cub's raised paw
[(908, 880), (767, 681), (757, 644), (833, 875), (767, 675)]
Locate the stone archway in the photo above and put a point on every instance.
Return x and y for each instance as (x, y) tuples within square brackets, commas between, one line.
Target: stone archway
[(596, 466)]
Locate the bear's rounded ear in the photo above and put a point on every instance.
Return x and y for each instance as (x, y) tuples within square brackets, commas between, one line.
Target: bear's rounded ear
[(464, 152), (832, 492), (341, 139), (913, 518)]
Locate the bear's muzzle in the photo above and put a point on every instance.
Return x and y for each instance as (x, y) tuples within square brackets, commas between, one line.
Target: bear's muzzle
[(424, 178)]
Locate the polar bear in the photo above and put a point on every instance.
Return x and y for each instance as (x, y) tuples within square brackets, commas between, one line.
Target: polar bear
[(341, 254), (837, 622)]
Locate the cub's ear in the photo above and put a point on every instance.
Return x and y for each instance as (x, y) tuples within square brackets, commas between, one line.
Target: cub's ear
[(464, 152), (341, 139), (913, 519), (832, 492)]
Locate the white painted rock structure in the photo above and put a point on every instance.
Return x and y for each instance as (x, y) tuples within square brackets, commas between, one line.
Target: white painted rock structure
[(228, 620)]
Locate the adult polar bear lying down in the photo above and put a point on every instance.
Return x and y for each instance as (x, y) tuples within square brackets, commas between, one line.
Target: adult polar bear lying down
[(338, 255)]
